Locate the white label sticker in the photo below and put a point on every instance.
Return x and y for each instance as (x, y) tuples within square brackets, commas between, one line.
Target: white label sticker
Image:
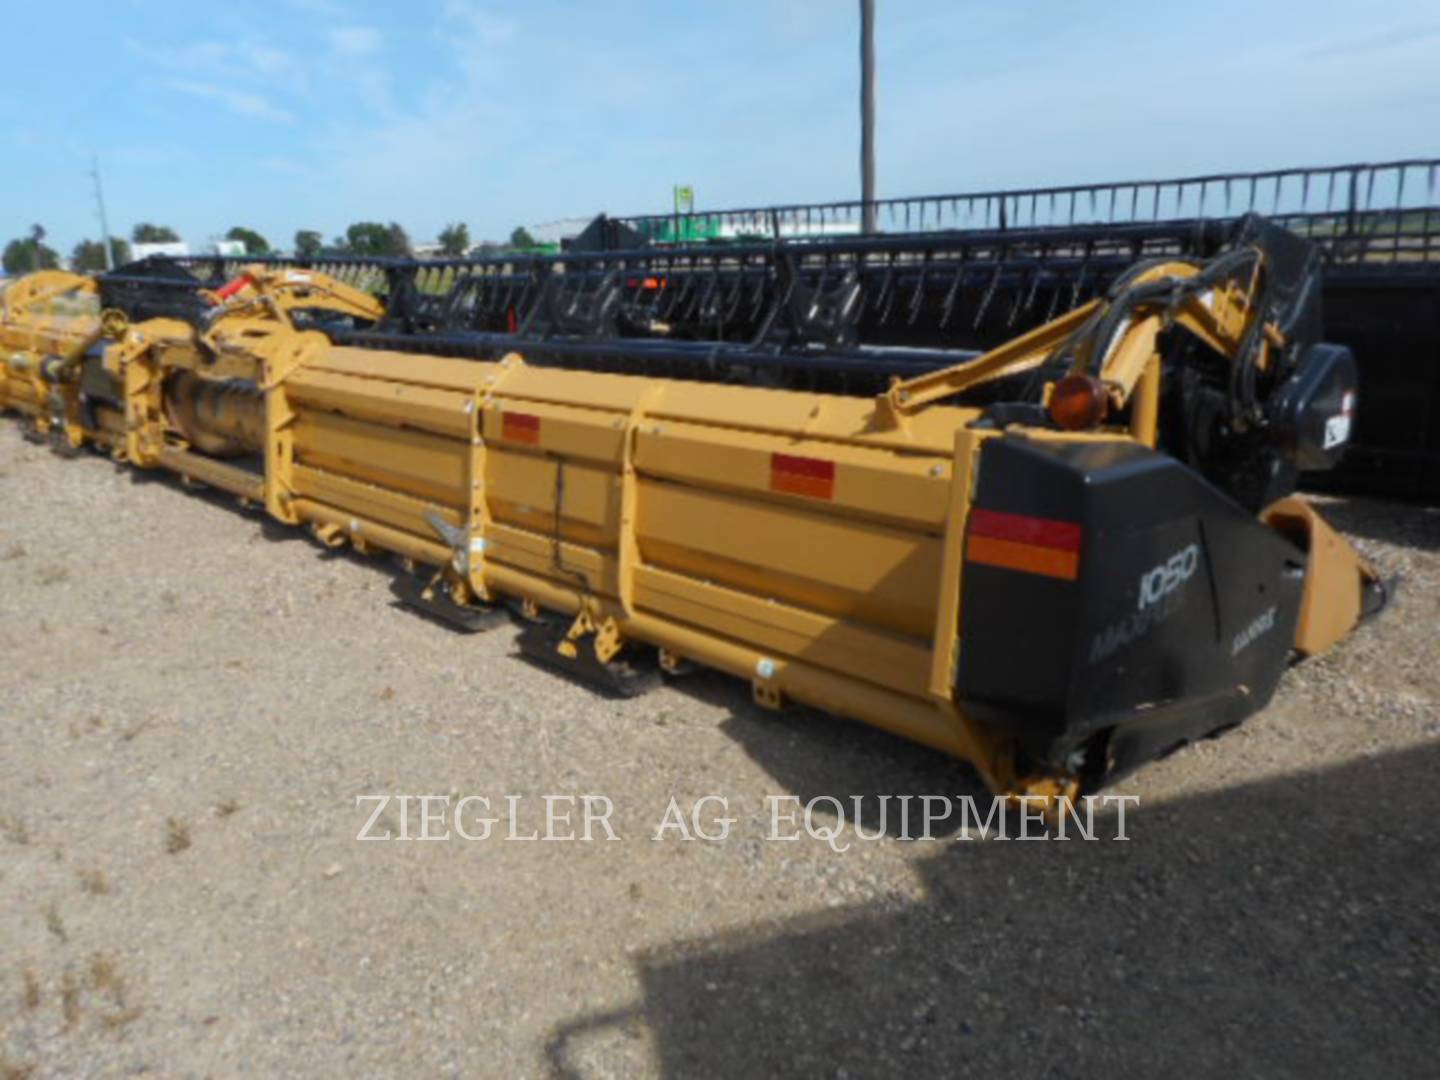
[(1337, 428), (1337, 431)]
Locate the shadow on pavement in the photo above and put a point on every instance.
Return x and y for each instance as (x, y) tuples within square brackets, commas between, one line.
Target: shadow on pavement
[(1290, 927), (1406, 524)]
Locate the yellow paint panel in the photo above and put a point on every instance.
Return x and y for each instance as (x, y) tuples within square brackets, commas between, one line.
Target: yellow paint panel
[(889, 660), (910, 490), (571, 565), (427, 466), (446, 373), (837, 566), (559, 429), (598, 390), (522, 487), (397, 404), (370, 502)]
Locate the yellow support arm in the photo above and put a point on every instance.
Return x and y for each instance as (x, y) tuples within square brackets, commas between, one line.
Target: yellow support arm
[(283, 290), (1124, 367)]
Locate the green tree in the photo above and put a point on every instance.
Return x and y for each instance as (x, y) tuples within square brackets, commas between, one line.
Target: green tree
[(255, 244), (374, 239), (455, 239), (145, 233), (24, 255), (90, 254), (87, 255), (308, 243), (521, 238)]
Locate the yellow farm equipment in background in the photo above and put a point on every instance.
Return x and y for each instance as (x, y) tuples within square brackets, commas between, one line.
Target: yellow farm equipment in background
[(1010, 560)]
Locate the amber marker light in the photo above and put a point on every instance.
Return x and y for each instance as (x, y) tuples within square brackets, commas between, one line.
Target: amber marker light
[(1078, 402)]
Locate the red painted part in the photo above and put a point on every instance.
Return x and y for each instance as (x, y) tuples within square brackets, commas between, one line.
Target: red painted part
[(520, 427), (230, 288), (803, 466), (1044, 532), (813, 478)]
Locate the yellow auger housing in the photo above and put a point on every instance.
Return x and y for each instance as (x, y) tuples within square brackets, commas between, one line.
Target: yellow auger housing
[(1041, 593)]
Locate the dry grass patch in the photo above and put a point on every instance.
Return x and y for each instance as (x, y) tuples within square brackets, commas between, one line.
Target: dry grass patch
[(54, 574), (94, 882), (70, 999), (105, 978), (55, 924), (15, 830), (116, 1020), (177, 836)]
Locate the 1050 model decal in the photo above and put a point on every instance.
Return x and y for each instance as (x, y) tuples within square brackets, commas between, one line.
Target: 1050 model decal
[(1160, 581)]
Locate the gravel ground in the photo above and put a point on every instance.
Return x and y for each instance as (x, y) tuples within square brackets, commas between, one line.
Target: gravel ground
[(192, 700)]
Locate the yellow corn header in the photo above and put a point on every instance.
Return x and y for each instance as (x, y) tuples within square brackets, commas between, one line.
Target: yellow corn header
[(1035, 588)]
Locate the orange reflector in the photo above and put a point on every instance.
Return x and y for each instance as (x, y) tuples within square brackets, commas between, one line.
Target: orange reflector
[(520, 427), (1032, 545), (811, 477), (1078, 402)]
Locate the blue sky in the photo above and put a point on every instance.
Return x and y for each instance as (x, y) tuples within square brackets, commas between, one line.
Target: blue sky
[(286, 114)]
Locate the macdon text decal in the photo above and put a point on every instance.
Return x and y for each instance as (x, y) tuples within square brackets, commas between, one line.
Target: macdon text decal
[(1260, 625)]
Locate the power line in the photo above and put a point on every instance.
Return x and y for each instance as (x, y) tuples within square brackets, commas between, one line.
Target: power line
[(100, 202), (867, 115)]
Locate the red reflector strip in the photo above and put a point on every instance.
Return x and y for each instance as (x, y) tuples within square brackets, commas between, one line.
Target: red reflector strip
[(1030, 545), (812, 477), (520, 427), (1046, 532)]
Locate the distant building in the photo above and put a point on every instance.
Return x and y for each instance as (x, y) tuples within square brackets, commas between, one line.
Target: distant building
[(229, 249), (557, 233), (174, 248)]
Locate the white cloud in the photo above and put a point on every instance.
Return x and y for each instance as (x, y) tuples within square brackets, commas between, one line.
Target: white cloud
[(263, 59), (476, 23), (1391, 38), (355, 40), (240, 102), (286, 166), (328, 8), (241, 60)]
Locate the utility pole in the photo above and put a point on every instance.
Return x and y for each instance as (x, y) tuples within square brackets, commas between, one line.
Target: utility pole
[(100, 202), (867, 115)]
